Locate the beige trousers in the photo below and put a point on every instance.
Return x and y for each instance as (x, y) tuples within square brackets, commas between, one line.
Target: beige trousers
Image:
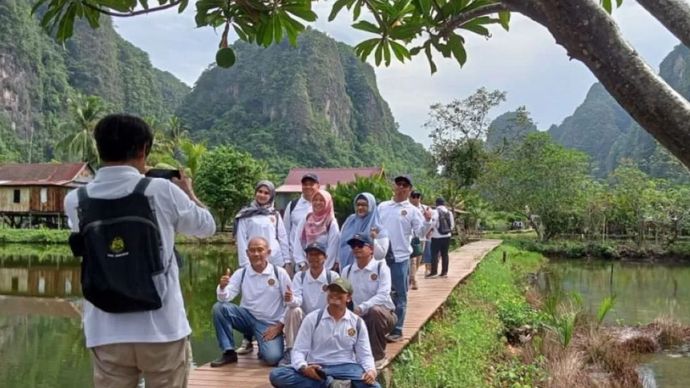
[(161, 365), (293, 320)]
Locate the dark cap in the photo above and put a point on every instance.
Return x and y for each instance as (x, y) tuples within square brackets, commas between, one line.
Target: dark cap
[(416, 194), (440, 201), (341, 285), (361, 238), (316, 246), (406, 178), (310, 175)]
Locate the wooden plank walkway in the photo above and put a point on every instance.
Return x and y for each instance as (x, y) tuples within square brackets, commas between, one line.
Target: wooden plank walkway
[(421, 305)]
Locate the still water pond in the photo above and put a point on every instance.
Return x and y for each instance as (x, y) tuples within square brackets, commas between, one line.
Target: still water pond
[(644, 292), (41, 339)]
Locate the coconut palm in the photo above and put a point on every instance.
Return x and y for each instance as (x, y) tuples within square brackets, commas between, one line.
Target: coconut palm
[(79, 144)]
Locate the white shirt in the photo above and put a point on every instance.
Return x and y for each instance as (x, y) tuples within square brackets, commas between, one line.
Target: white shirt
[(263, 226), (434, 222), (331, 241), (310, 294), (422, 208), (175, 212), (294, 217), (371, 286), (400, 219), (333, 342), (262, 293)]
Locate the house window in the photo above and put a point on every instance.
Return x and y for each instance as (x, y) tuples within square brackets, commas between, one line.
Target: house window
[(44, 195), (17, 196)]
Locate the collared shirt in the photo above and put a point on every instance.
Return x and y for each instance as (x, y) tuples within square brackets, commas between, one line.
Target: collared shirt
[(434, 222), (175, 212), (400, 219), (333, 342), (310, 293), (331, 241), (262, 293), (293, 217), (371, 286), (269, 227)]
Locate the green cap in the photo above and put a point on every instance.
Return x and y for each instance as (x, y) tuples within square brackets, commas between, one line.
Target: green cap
[(340, 284)]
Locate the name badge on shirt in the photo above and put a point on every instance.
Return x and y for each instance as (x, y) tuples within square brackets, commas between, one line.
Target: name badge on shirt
[(374, 277), (351, 332), (271, 282)]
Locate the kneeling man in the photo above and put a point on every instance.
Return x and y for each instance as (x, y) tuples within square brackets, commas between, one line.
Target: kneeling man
[(332, 343), (261, 311)]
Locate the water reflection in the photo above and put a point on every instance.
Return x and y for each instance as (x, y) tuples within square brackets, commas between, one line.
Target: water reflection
[(644, 292), (41, 339)]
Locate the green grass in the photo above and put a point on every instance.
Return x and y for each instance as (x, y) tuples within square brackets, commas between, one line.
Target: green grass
[(39, 236), (463, 345)]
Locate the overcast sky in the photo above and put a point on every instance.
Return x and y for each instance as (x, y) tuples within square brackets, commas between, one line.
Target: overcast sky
[(525, 62)]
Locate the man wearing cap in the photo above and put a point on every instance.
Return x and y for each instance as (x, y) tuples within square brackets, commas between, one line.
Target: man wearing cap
[(332, 344), (440, 238), (297, 211), (261, 311), (401, 219), (371, 280), (308, 294)]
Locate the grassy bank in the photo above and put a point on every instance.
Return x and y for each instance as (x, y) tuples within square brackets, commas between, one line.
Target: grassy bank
[(59, 236), (463, 346)]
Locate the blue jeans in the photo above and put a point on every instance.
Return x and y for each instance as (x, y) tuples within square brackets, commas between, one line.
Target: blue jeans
[(426, 256), (399, 283), (228, 316), (288, 377)]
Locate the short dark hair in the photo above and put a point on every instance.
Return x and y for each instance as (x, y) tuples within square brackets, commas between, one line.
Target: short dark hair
[(119, 137)]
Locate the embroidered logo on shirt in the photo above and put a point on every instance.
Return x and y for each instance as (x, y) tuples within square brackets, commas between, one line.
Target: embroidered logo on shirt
[(273, 219), (351, 332), (403, 212), (271, 282), (374, 277), (324, 287)]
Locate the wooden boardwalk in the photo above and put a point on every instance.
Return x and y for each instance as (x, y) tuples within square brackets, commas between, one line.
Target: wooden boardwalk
[(421, 305)]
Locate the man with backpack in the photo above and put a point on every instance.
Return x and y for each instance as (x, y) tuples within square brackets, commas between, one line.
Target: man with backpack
[(124, 226), (261, 312), (332, 344), (371, 300), (308, 294), (444, 222)]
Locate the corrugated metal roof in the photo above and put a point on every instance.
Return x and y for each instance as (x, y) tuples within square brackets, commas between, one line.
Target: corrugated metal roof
[(327, 176), (40, 174)]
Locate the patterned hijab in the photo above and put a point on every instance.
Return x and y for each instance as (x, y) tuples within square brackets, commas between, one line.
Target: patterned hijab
[(318, 223)]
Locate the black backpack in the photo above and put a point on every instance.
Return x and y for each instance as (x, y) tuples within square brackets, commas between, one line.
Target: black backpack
[(119, 239), (443, 222)]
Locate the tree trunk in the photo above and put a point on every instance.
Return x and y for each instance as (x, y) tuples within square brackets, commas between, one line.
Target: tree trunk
[(673, 14), (591, 36)]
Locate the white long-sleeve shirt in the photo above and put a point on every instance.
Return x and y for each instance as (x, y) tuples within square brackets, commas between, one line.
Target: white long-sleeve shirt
[(269, 227), (371, 286), (331, 241), (434, 222), (293, 217), (400, 219), (175, 213), (262, 293), (309, 293), (333, 342)]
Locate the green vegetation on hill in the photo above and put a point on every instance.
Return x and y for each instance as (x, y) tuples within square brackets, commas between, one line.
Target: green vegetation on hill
[(312, 105), (39, 76)]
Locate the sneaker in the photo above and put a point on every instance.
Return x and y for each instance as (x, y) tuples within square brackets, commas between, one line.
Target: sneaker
[(443, 275), (393, 337), (228, 357), (286, 360), (381, 363), (414, 285), (246, 347), (430, 276)]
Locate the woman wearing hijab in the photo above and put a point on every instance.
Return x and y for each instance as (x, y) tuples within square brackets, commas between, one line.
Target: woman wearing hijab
[(364, 221), (319, 225), (261, 219)]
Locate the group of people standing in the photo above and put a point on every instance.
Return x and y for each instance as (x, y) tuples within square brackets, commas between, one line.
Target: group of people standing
[(320, 300)]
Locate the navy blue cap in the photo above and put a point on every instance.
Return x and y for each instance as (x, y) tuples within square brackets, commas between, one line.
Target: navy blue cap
[(310, 175), (361, 238), (316, 246), (403, 178)]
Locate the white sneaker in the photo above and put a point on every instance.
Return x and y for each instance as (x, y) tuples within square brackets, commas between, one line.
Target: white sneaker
[(246, 347)]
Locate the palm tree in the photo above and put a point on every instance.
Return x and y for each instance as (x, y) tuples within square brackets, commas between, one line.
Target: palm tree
[(85, 111)]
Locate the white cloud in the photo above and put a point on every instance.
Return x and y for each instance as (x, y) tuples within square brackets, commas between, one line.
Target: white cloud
[(526, 62)]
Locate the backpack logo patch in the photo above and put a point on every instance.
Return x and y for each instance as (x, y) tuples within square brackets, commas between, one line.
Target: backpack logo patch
[(117, 245)]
